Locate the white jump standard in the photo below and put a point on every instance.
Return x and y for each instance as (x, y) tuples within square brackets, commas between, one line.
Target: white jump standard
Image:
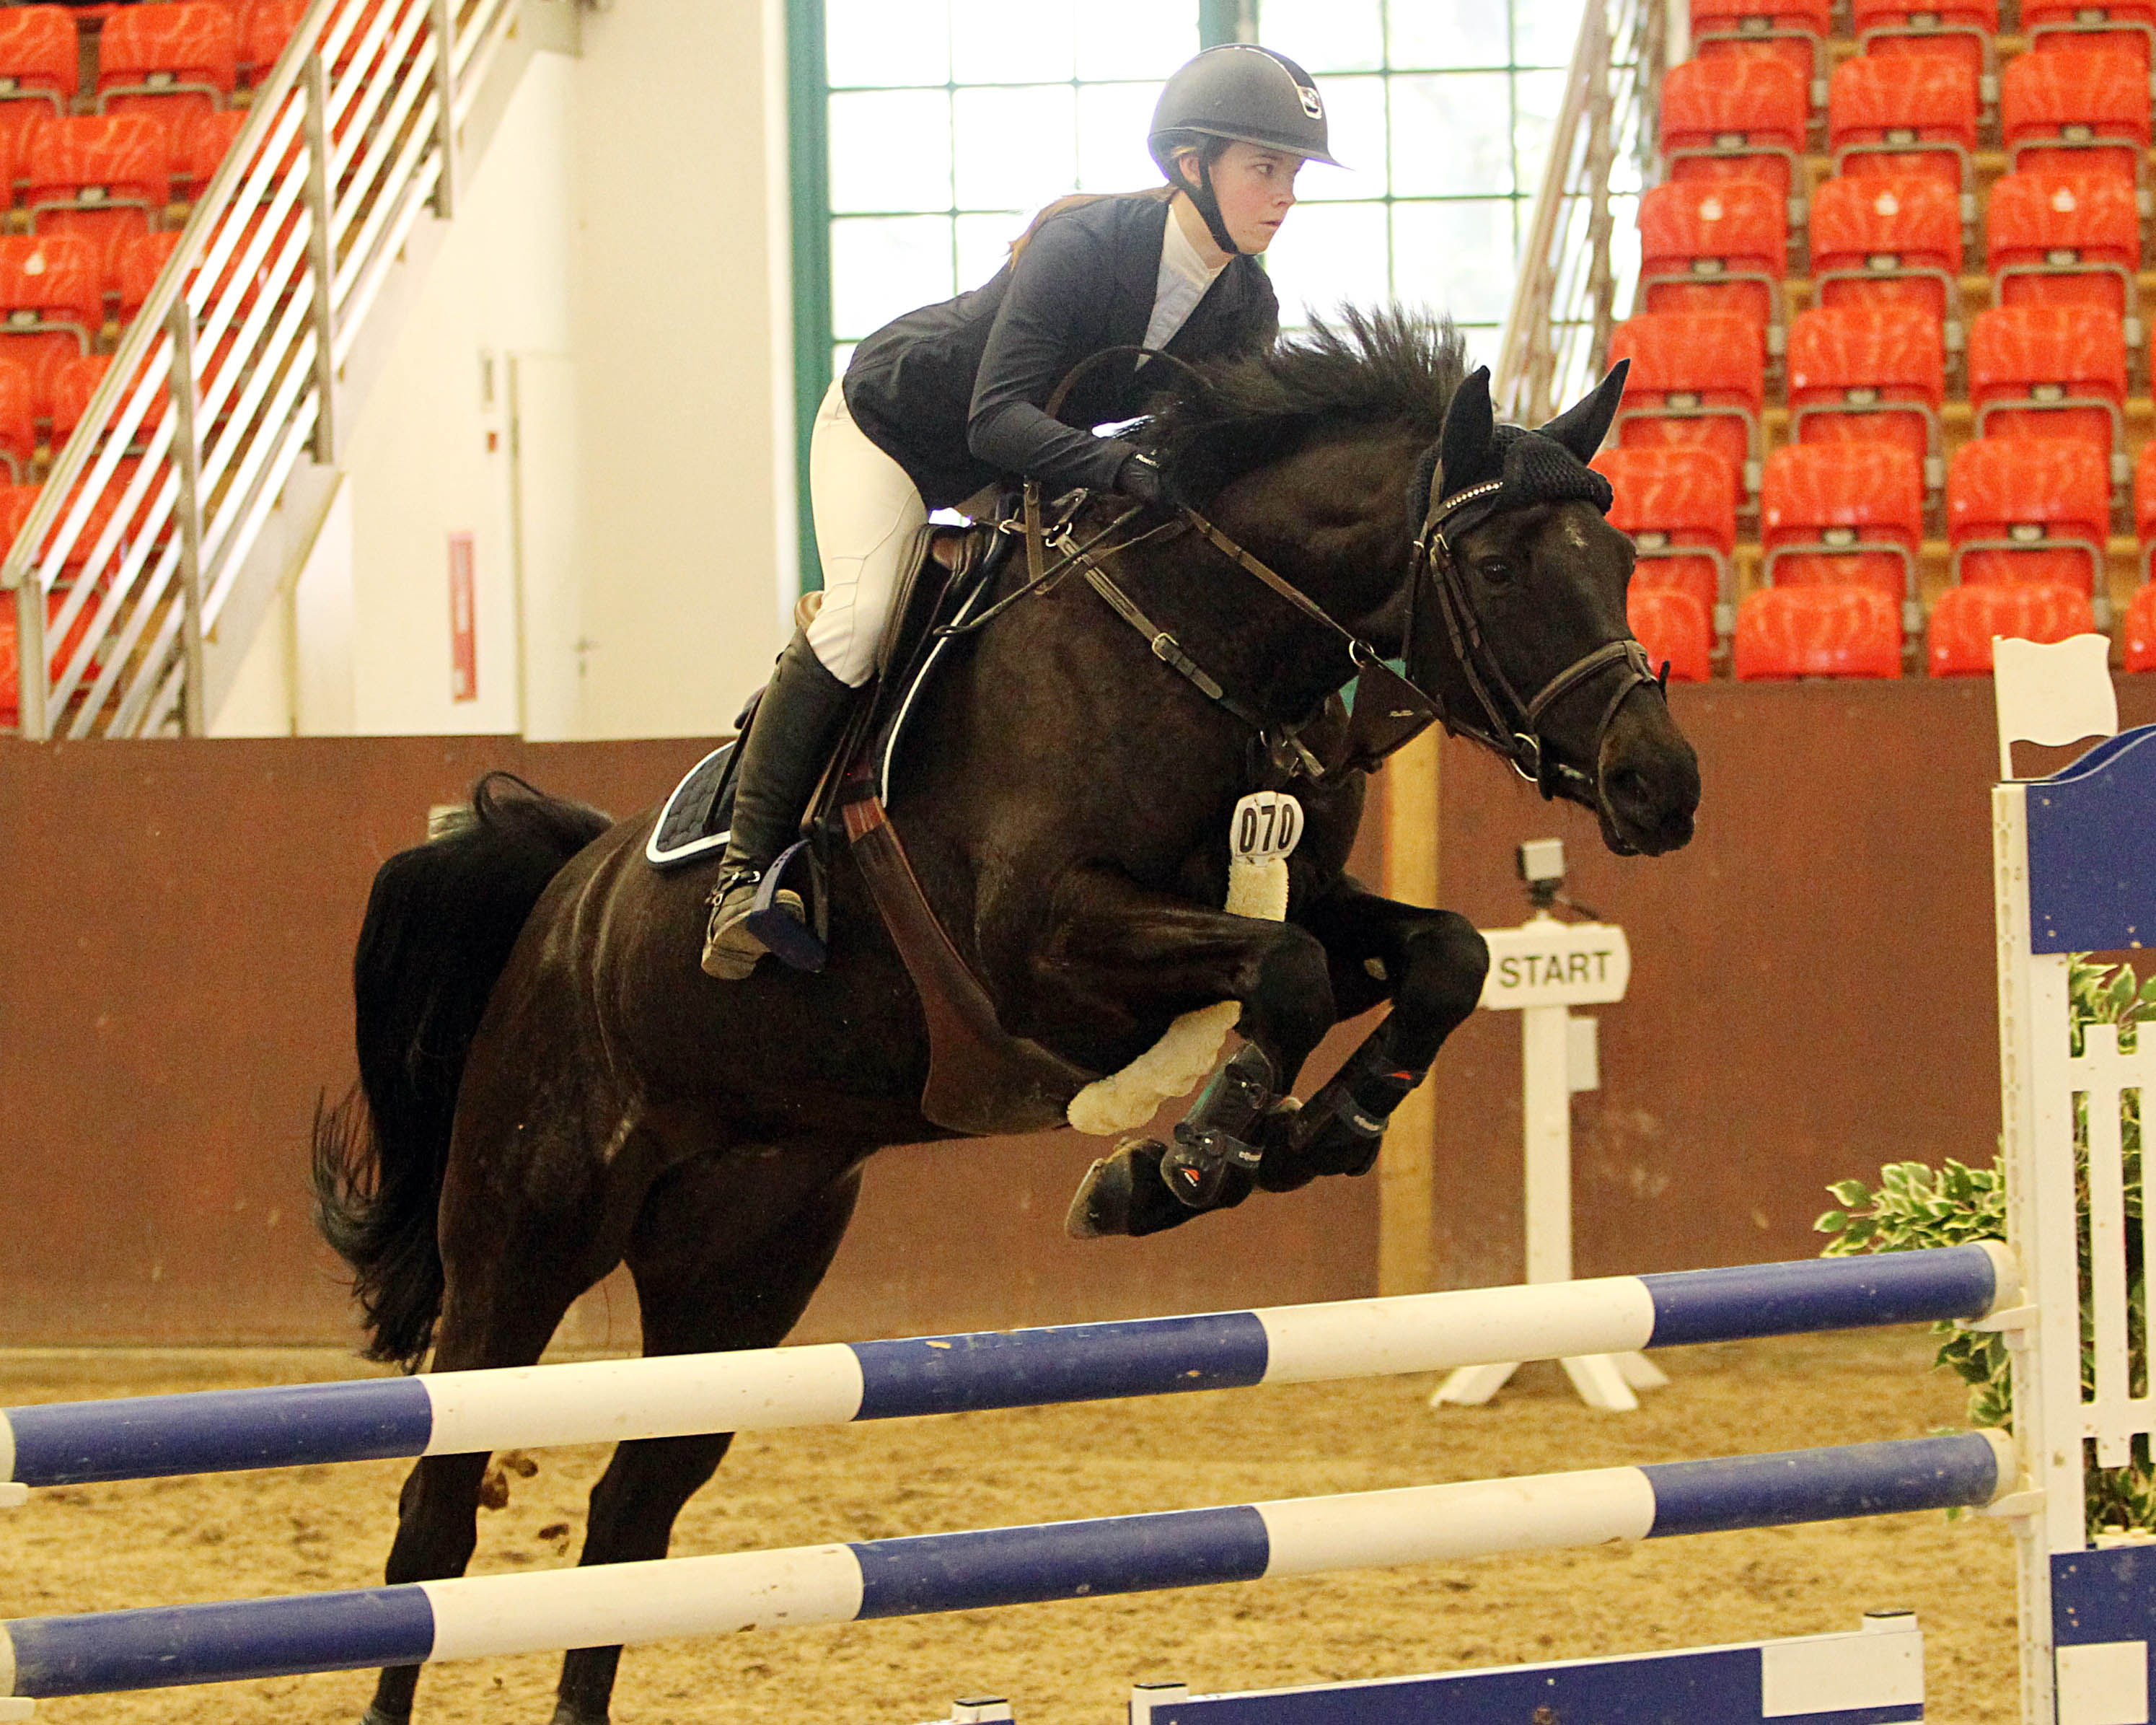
[(1542, 970)]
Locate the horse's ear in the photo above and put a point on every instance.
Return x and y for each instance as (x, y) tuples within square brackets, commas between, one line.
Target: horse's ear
[(1581, 427), (1463, 449)]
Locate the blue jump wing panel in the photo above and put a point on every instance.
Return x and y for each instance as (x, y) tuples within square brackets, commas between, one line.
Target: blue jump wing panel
[(2093, 850), (1715, 1686)]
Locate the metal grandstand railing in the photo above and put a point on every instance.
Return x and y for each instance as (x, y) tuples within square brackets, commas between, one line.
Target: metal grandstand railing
[(1579, 264), (131, 559)]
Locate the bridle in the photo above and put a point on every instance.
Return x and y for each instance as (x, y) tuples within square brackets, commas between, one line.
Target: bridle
[(1511, 726), (1390, 710)]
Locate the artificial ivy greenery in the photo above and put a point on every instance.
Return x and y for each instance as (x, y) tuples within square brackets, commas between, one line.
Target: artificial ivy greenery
[(1917, 1205)]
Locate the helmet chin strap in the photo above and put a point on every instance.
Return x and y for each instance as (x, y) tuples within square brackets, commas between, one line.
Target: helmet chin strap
[(1207, 203)]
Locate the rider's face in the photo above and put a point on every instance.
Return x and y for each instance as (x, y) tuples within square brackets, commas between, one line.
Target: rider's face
[(1257, 190)]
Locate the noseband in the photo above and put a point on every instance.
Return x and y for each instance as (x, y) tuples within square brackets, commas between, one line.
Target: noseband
[(1511, 726)]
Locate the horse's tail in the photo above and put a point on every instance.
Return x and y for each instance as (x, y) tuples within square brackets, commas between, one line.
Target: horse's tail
[(440, 923)]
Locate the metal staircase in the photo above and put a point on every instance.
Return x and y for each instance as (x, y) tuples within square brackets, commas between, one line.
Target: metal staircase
[(1573, 270), (215, 433)]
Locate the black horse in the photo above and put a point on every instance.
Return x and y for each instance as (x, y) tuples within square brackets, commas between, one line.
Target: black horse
[(551, 1088)]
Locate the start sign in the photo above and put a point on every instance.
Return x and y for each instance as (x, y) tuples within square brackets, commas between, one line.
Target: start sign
[(1547, 962)]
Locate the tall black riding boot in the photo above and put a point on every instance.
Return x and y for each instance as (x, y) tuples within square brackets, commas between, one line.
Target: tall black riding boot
[(795, 723)]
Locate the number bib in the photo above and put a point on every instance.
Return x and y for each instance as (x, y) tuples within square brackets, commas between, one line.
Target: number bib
[(1264, 827)]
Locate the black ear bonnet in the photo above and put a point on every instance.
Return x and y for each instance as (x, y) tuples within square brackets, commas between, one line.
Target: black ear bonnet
[(1543, 466), (1531, 468)]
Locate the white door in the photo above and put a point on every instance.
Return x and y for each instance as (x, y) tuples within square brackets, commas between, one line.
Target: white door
[(547, 504)]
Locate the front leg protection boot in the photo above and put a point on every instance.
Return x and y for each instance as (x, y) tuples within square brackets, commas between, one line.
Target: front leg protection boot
[(1212, 1149), (1340, 1129)]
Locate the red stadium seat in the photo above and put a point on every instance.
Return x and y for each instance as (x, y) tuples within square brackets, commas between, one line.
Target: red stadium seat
[(2130, 24), (2075, 108), (73, 385), (2049, 370), (2009, 500), (1794, 31), (267, 27), (1734, 119), (1675, 629), (202, 151), (1961, 28), (2141, 629), (51, 302), (1698, 379), (1903, 114), (76, 381), (1818, 632), (142, 261), (1715, 245), (1891, 240), (2144, 503), (1966, 619), (18, 427), (2062, 237), (38, 63), (1868, 374), (104, 177), (16, 502), (174, 63), (1843, 515), (1680, 507)]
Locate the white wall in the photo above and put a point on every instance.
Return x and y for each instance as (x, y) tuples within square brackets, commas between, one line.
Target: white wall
[(681, 353), (622, 244), (429, 455)]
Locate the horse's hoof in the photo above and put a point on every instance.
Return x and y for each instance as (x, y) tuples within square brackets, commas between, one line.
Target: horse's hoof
[(565, 1714), (375, 1716), (1124, 1195)]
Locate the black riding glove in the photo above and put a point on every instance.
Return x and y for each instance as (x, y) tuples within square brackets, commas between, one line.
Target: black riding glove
[(1140, 477)]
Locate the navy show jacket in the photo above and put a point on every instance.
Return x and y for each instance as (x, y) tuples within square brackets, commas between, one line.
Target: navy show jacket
[(954, 392)]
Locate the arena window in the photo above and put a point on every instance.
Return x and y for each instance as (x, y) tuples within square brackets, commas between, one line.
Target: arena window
[(925, 133)]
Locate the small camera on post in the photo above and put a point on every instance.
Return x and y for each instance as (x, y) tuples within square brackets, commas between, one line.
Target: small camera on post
[(1541, 863), (1542, 867)]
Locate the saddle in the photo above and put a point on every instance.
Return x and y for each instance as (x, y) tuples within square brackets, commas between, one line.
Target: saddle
[(953, 563)]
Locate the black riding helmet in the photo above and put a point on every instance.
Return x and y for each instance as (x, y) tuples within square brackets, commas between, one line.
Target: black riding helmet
[(1240, 94)]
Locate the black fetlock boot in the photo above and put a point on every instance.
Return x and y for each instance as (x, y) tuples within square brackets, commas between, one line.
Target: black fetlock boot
[(1340, 1129), (1213, 1150), (795, 723)]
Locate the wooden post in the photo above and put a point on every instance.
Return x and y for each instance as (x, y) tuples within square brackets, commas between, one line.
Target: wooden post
[(1407, 1246)]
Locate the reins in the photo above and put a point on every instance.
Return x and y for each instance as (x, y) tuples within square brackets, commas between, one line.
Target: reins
[(1390, 710)]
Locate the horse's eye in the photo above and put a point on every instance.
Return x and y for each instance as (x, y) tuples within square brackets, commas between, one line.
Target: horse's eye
[(1495, 571)]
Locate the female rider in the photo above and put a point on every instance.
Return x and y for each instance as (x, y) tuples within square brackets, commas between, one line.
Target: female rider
[(947, 401)]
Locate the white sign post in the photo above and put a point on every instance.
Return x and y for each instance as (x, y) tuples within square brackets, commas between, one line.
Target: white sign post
[(1542, 970)]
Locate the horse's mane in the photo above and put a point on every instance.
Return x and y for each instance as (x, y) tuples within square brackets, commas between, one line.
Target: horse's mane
[(1363, 368)]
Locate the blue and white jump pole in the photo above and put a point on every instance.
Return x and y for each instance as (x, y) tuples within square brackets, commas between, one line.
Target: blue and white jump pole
[(455, 1413), (624, 1603)]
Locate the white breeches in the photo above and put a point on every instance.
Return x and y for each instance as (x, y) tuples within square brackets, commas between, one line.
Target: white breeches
[(869, 518)]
